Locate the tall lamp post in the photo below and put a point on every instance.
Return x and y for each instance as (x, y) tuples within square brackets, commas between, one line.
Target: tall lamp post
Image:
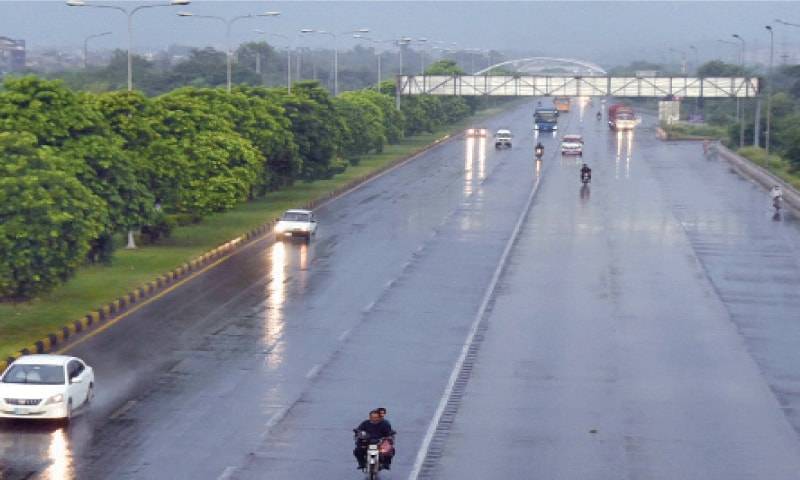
[(228, 24), (86, 47), (696, 57), (401, 42), (129, 14), (769, 87), (377, 54), (288, 55), (739, 117), (336, 52)]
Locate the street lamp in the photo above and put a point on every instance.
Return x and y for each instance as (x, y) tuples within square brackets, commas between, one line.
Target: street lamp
[(741, 120), (378, 54), (86, 47), (769, 86), (129, 14), (228, 24), (288, 55), (336, 52)]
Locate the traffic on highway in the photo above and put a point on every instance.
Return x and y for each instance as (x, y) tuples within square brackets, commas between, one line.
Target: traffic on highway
[(329, 246)]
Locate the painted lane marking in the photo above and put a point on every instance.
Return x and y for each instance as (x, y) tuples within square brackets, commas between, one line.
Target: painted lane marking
[(345, 334), (227, 474), (122, 410), (314, 371), (422, 453)]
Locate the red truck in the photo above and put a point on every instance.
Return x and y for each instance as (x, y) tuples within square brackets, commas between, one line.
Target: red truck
[(621, 117)]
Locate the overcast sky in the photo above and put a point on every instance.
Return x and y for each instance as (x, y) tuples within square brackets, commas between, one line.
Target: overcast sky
[(604, 32)]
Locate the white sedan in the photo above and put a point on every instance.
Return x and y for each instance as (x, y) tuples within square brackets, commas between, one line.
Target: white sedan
[(296, 223), (572, 145), (45, 386)]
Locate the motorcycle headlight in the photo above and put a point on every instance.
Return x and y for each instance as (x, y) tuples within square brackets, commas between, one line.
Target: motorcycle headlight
[(55, 399)]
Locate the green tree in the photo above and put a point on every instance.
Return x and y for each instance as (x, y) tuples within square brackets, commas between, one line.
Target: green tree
[(47, 218)]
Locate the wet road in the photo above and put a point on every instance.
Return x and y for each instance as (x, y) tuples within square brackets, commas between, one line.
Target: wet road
[(645, 328), (659, 308), (285, 347)]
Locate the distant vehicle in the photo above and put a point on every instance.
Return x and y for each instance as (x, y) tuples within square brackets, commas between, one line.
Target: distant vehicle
[(545, 119), (477, 132), (46, 387), (572, 145), (296, 223), (621, 117), (561, 104), (502, 139)]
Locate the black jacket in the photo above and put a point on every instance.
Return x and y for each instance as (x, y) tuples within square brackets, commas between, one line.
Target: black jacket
[(376, 431)]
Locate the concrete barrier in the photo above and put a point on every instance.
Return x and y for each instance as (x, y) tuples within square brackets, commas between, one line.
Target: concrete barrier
[(759, 175)]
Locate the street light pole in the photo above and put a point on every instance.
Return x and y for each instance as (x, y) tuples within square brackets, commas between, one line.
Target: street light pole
[(288, 55), (129, 14), (739, 117), (769, 87), (86, 47), (228, 24)]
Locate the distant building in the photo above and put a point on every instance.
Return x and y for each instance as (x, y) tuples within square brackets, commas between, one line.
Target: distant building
[(12, 55)]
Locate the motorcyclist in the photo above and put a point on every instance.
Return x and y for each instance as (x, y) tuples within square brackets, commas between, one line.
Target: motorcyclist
[(539, 149), (586, 171), (599, 115), (369, 432), (388, 460), (777, 194)]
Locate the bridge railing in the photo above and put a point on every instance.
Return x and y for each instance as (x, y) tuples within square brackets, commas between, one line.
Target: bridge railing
[(577, 86)]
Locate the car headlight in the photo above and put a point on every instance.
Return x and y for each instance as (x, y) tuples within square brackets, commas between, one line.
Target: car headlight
[(55, 399), (280, 228)]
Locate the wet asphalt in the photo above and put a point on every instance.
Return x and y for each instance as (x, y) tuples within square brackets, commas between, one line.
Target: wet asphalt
[(659, 308), (646, 328)]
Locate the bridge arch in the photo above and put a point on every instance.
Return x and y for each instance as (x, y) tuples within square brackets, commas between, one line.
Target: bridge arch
[(538, 64)]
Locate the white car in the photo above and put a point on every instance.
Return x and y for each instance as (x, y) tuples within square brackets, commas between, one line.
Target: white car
[(296, 223), (502, 139), (572, 145), (45, 386)]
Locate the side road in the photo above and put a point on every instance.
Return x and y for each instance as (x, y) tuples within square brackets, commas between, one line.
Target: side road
[(44, 325)]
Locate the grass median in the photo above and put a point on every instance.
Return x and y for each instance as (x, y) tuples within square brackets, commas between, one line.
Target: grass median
[(23, 323)]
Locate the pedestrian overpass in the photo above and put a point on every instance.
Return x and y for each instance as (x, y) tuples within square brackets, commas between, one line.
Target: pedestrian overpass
[(541, 85)]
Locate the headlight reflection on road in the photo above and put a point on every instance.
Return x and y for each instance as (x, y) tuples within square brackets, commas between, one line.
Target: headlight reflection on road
[(469, 158), (58, 453), (274, 322), (482, 158), (624, 148), (538, 168)]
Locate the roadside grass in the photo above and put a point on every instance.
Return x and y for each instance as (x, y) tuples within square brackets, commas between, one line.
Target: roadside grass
[(775, 164), (690, 131), (21, 324)]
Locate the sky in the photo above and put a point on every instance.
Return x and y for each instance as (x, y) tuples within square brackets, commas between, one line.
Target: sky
[(608, 33)]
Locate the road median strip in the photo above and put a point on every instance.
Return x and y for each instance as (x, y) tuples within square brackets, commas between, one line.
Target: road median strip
[(109, 313)]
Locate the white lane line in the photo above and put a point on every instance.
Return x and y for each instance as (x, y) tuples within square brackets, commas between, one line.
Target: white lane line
[(420, 248), (123, 409), (314, 371), (274, 421), (389, 284), (369, 307), (227, 474), (487, 296), (345, 334)]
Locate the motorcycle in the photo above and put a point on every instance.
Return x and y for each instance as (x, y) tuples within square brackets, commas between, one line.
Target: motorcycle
[(539, 152), (586, 177), (376, 453), (599, 116), (776, 203)]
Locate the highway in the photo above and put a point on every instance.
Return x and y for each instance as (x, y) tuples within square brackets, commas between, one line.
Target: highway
[(645, 327)]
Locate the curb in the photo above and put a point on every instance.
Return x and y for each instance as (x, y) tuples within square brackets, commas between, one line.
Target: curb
[(104, 313), (746, 168)]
